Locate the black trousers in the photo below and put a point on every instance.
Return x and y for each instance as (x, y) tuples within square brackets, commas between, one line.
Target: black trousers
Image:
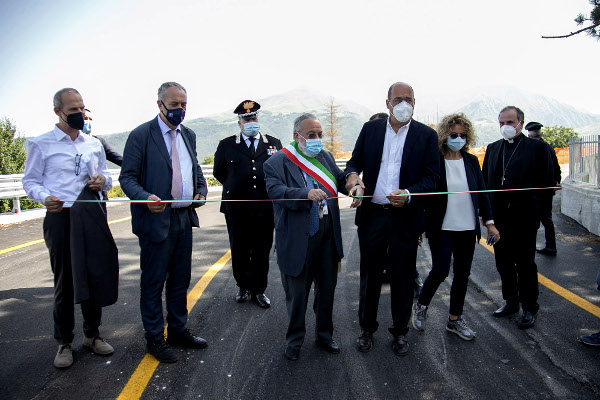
[(376, 234), (320, 267), (444, 245), (250, 239), (546, 220), (515, 261), (57, 234), (166, 265)]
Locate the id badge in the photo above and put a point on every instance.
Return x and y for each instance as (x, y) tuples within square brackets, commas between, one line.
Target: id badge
[(325, 209), (321, 210)]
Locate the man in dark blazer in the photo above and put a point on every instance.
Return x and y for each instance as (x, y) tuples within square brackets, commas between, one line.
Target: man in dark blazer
[(159, 163), (238, 166), (517, 162), (397, 156), (308, 234)]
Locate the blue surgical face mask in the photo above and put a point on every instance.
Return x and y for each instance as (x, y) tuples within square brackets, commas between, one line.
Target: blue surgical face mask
[(456, 144), (251, 128), (313, 147), (174, 116), (87, 126)]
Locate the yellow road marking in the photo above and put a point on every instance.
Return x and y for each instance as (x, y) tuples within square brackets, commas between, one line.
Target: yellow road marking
[(559, 290), (20, 246), (143, 373)]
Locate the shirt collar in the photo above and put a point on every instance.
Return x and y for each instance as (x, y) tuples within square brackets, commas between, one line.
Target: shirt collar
[(402, 128), (246, 137), (164, 128), (60, 135)]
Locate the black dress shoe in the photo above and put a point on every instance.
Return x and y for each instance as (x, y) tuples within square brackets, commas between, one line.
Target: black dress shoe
[(506, 310), (527, 320), (547, 251), (242, 296), (400, 345), (292, 353), (330, 347), (364, 342), (186, 339), (161, 351), (262, 300)]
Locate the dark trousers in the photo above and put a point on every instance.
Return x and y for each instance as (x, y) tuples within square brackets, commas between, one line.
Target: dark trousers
[(515, 261), (250, 239), (378, 232), (546, 220), (168, 265), (57, 234), (444, 245), (320, 267)]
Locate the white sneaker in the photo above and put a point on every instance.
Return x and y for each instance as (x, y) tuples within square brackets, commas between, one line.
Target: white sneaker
[(64, 357), (461, 328), (98, 346), (419, 316)]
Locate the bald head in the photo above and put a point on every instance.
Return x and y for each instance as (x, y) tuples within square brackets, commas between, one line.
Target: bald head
[(402, 85)]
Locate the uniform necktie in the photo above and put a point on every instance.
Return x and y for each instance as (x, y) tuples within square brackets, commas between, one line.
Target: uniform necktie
[(313, 222), (251, 148), (176, 184)]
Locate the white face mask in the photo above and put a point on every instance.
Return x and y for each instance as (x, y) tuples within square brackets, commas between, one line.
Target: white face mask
[(403, 112), (508, 131)]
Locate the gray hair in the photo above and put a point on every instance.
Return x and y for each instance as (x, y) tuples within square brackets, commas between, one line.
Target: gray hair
[(58, 103), (520, 113), (163, 89), (301, 118)]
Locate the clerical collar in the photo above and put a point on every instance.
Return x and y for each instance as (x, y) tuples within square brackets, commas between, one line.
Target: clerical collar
[(516, 138)]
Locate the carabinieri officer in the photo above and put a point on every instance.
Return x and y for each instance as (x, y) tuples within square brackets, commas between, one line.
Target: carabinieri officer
[(238, 166)]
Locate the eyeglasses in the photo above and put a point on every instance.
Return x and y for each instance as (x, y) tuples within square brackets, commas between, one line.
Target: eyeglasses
[(78, 164), (455, 135), (398, 100)]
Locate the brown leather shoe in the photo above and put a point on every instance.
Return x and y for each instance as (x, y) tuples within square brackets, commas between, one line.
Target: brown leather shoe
[(364, 342), (400, 345)]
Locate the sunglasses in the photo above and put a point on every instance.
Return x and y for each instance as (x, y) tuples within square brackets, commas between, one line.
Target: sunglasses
[(455, 135)]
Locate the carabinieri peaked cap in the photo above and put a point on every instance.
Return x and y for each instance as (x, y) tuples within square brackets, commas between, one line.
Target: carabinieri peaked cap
[(533, 126), (247, 109)]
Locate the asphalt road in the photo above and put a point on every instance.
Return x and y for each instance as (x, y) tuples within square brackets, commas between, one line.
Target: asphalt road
[(245, 360)]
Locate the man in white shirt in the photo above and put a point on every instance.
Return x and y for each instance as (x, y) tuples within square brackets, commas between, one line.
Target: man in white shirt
[(60, 163)]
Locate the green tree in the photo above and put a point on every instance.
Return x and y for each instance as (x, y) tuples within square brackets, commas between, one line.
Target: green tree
[(557, 136), (12, 149), (592, 30), (209, 159)]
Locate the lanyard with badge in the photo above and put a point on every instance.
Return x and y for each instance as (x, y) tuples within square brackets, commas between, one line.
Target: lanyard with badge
[(323, 210)]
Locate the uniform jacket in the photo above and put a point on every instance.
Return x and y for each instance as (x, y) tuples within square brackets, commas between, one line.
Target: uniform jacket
[(420, 168), (111, 155), (285, 180), (242, 175), (147, 170)]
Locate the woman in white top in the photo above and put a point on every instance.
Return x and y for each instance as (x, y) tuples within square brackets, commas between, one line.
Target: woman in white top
[(452, 223)]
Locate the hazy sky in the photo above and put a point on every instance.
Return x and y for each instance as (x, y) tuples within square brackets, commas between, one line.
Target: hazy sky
[(117, 53)]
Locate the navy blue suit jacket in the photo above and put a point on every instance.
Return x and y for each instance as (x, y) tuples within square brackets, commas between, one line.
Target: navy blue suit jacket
[(147, 170), (419, 170), (285, 180)]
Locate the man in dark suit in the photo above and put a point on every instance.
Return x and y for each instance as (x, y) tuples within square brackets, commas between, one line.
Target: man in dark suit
[(534, 132), (308, 234), (159, 162), (238, 166), (517, 162), (397, 156)]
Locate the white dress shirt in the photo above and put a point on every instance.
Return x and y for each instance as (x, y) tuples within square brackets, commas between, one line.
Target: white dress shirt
[(247, 140), (388, 179), (460, 214), (185, 162), (50, 169)]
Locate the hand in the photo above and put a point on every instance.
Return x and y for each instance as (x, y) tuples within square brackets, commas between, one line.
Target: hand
[(97, 182), (398, 201), (53, 204), (559, 186), (199, 197), (492, 231), (353, 180), (157, 207), (357, 190), (316, 195), (420, 242)]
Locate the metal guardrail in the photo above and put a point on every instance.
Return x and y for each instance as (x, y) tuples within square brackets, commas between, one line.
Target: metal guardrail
[(11, 186), (584, 159)]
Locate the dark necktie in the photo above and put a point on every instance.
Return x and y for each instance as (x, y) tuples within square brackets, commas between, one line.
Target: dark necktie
[(251, 148), (313, 221)]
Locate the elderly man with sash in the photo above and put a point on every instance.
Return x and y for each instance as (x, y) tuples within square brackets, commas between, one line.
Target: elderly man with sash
[(305, 180)]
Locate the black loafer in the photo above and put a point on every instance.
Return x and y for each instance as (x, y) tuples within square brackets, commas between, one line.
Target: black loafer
[(292, 353), (400, 345), (547, 251), (186, 339), (527, 320), (330, 347), (364, 342), (506, 310), (161, 351), (242, 296), (262, 300)]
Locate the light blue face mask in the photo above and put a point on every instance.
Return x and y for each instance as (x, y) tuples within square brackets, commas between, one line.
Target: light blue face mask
[(313, 147), (87, 126), (251, 128), (456, 144)]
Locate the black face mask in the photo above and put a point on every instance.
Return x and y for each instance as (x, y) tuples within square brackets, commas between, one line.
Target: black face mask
[(174, 116), (75, 120)]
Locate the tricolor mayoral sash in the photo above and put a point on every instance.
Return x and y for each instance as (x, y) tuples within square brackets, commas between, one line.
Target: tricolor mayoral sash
[(312, 167)]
